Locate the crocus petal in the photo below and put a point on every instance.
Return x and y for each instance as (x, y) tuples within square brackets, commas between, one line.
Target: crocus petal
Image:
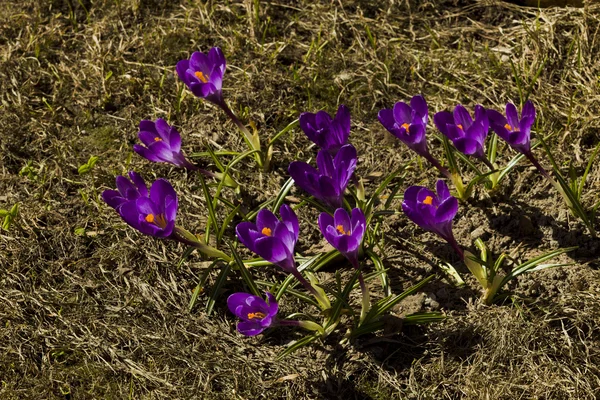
[(282, 233), (266, 219), (481, 116), (113, 198), (244, 231), (412, 212), (411, 193), (325, 163), (462, 117), (250, 328), (468, 146), (512, 115), (273, 250), (199, 62), (147, 154), (342, 118), (496, 118), (273, 306), (428, 197), (182, 68), (139, 183), (386, 118), (441, 120), (237, 299), (419, 105), (160, 190), (341, 218), (163, 129), (148, 137), (325, 220), (442, 190), (447, 210), (358, 218), (402, 113), (290, 219)]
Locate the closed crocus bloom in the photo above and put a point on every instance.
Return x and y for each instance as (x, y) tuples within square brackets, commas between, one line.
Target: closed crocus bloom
[(467, 135), (203, 74), (329, 181), (327, 133), (514, 131), (344, 232), (152, 214), (256, 314), (270, 238), (408, 123), (127, 190), (162, 143), (432, 212)]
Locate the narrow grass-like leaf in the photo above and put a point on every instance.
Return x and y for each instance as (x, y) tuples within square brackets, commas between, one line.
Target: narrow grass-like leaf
[(212, 217), (422, 318), (285, 189), (226, 223), (201, 284), (285, 130), (587, 170), (383, 305), (216, 289), (492, 150), (531, 264), (341, 300), (381, 188), (188, 252), (385, 283), (246, 276), (305, 341)]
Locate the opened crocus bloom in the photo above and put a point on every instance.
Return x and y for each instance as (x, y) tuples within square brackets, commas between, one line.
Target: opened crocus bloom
[(270, 238), (514, 131), (151, 213), (255, 313), (127, 190), (432, 212), (162, 143), (329, 182), (467, 135), (203, 74), (344, 232), (327, 133), (408, 123)]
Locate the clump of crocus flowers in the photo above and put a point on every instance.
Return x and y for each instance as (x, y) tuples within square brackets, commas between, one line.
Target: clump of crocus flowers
[(346, 223)]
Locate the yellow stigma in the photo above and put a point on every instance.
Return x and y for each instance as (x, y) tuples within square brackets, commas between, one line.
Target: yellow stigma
[(507, 126), (254, 315), (428, 200), (201, 76), (460, 126), (157, 139), (266, 231), (405, 126), (341, 230), (158, 220)]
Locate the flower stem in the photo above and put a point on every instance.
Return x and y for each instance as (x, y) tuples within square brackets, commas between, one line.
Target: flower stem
[(437, 164), (183, 236), (456, 247), (252, 141)]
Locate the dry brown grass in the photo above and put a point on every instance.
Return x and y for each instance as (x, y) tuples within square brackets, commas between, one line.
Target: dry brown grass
[(104, 314)]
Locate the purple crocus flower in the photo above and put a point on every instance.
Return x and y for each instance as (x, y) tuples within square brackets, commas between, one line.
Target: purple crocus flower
[(344, 232), (467, 135), (432, 212), (327, 133), (153, 213), (270, 238), (255, 313), (514, 131), (162, 143), (408, 123), (203, 74), (127, 190), (329, 182)]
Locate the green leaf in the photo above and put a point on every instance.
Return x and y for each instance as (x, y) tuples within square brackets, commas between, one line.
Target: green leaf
[(285, 189), (246, 276), (297, 345), (285, 130), (216, 289), (200, 287), (212, 217), (385, 283), (533, 263)]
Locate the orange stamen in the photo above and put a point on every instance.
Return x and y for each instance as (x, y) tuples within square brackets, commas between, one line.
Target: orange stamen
[(157, 139), (341, 230), (460, 126), (507, 126), (201, 76), (254, 315), (266, 231), (149, 218), (405, 126), (158, 220), (428, 200)]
